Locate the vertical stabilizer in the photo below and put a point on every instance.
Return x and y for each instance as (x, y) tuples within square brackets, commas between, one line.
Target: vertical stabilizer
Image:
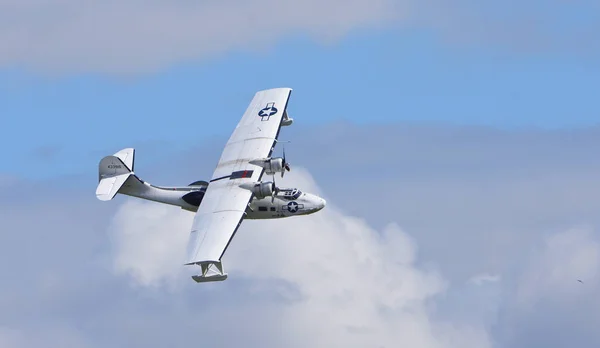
[(127, 156), (113, 171)]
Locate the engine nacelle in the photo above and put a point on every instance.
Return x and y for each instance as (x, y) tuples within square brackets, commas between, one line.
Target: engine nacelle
[(260, 189), (271, 165)]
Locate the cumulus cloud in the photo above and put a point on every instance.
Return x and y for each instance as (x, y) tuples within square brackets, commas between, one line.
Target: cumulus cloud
[(150, 241), (135, 35), (467, 238), (51, 336), (525, 26), (464, 193), (554, 270), (141, 36), (546, 296), (344, 283)]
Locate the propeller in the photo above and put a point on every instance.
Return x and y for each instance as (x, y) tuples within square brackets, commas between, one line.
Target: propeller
[(285, 164), (274, 190)]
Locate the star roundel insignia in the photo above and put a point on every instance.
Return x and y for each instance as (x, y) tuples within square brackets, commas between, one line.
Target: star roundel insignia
[(268, 111), (293, 207)]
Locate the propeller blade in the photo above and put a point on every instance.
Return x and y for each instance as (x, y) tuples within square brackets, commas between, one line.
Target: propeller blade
[(273, 190), (286, 165)]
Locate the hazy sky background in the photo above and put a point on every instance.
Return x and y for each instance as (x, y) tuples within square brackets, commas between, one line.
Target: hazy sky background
[(455, 142)]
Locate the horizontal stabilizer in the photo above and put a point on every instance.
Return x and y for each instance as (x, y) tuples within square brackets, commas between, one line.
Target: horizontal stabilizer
[(109, 187)]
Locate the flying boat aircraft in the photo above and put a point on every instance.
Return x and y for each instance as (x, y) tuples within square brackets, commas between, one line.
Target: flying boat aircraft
[(236, 190)]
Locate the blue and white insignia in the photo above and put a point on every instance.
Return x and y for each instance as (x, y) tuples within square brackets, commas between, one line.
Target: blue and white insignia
[(293, 207), (267, 111)]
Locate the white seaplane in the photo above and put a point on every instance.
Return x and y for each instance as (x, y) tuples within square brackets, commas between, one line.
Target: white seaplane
[(235, 192)]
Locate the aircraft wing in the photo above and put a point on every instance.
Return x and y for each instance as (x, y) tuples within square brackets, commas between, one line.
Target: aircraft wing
[(224, 204)]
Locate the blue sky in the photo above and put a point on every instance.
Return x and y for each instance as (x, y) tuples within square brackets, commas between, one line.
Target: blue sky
[(384, 75), (440, 132)]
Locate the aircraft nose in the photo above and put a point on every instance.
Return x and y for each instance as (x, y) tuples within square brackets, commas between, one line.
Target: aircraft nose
[(322, 203), (315, 203)]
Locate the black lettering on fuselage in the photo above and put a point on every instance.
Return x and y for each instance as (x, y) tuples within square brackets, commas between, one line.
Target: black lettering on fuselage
[(114, 166)]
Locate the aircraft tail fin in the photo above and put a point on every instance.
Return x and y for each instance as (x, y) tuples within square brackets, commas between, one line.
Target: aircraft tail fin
[(113, 172)]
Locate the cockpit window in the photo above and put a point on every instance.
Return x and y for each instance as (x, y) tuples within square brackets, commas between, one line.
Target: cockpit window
[(291, 194)]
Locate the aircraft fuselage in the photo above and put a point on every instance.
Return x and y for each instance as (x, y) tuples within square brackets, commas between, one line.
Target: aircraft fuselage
[(287, 202), (281, 207)]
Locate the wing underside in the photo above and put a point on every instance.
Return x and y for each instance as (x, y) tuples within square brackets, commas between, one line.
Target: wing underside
[(225, 202)]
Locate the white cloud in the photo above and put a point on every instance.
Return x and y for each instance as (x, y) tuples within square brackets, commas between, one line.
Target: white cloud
[(149, 241), (553, 272), (347, 284), (376, 284), (484, 278), (52, 336), (546, 306), (137, 36)]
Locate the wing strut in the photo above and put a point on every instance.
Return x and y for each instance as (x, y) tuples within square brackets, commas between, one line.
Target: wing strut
[(211, 272)]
